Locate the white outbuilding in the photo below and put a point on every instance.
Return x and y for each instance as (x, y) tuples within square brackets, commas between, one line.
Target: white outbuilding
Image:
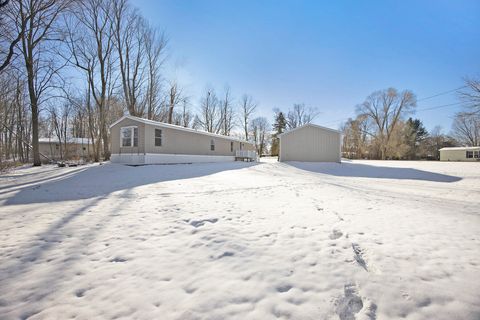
[(460, 154), (310, 143)]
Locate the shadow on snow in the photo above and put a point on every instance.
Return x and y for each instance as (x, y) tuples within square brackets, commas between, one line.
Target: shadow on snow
[(97, 181), (349, 169)]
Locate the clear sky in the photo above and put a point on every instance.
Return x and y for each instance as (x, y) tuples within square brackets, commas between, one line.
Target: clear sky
[(327, 54)]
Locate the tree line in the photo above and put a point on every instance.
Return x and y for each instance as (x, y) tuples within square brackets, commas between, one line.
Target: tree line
[(68, 69), (384, 128)]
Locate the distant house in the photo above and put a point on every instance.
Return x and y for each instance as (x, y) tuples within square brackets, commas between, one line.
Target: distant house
[(140, 141), (73, 148), (460, 154), (310, 143)]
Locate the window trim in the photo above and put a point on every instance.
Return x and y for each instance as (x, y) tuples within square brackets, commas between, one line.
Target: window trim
[(212, 145), (132, 137), (155, 137)]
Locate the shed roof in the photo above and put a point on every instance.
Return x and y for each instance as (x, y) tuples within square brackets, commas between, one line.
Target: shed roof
[(309, 125), (460, 148), (175, 127)]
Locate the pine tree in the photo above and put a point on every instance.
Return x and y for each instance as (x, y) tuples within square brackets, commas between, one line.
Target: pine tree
[(279, 127), (415, 135)]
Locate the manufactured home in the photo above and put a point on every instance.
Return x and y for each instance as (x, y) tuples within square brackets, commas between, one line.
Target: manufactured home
[(73, 148), (310, 143), (460, 154), (140, 141)]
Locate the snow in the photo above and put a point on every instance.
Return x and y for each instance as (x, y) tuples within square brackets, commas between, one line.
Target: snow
[(357, 240)]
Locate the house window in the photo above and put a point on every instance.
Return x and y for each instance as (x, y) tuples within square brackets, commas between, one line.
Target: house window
[(129, 136), (56, 147), (231, 146), (476, 154), (212, 145), (158, 137), (469, 154)]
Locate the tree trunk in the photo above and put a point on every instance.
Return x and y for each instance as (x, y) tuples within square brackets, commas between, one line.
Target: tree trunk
[(36, 151), (170, 113), (106, 151), (34, 107)]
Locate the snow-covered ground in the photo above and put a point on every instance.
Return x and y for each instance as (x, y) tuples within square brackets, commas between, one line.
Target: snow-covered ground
[(357, 240)]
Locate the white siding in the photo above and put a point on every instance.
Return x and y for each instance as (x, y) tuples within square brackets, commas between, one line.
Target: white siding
[(310, 143)]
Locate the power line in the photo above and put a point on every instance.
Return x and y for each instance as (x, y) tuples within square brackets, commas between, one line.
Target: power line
[(438, 107), (418, 110), (442, 93)]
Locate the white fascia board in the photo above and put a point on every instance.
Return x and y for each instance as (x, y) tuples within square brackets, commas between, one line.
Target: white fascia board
[(309, 125)]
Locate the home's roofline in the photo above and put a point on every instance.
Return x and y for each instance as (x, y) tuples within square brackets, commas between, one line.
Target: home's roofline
[(69, 140), (309, 125), (460, 148), (175, 127)]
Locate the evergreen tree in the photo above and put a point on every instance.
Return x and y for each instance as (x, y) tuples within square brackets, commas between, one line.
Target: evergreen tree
[(415, 134), (279, 126)]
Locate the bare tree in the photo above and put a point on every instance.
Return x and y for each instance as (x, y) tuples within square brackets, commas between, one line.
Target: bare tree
[(90, 39), (60, 119), (209, 117), (466, 128), (174, 98), (355, 139), (259, 127), (11, 33), (384, 109), (37, 46), (227, 113), (155, 44), (471, 95), (129, 29), (15, 121), (247, 108), (184, 117), (300, 115), (437, 140)]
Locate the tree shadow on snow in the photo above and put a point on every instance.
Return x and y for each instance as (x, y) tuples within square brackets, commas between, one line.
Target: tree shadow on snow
[(36, 253), (96, 181), (349, 169)]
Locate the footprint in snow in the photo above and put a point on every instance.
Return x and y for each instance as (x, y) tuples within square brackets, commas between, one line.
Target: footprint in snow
[(350, 304), (359, 256), (199, 223), (284, 288), (80, 293), (118, 259), (226, 254), (335, 234)]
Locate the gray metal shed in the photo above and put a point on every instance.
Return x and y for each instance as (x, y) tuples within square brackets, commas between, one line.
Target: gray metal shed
[(310, 143)]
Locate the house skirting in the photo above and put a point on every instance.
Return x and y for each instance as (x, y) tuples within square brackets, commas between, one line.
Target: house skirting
[(161, 158)]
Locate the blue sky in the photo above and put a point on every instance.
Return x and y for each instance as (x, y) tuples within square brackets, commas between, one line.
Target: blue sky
[(326, 54)]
